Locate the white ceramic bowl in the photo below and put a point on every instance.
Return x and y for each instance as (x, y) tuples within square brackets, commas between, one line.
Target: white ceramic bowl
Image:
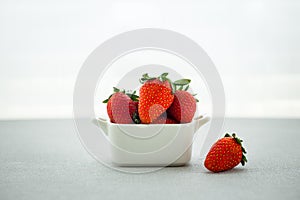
[(152, 144)]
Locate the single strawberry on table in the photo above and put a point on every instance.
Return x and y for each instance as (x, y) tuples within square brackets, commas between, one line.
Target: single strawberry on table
[(122, 107), (225, 154)]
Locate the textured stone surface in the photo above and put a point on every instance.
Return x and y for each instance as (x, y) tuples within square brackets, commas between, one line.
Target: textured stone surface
[(43, 159)]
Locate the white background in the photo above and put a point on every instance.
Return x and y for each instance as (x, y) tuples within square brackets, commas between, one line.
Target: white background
[(254, 44)]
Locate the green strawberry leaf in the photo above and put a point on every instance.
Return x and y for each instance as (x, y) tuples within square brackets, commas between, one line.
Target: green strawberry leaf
[(146, 76), (227, 135), (106, 100), (163, 77), (116, 89), (182, 82), (164, 74)]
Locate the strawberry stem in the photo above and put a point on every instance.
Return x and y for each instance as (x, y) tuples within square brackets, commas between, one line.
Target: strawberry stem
[(146, 77)]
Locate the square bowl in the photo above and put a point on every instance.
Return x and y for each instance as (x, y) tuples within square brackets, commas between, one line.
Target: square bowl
[(151, 144)]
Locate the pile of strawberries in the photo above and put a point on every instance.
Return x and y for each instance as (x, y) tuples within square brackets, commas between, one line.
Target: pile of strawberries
[(160, 101)]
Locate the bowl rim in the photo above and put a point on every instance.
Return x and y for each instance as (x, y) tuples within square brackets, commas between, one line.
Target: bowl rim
[(199, 118)]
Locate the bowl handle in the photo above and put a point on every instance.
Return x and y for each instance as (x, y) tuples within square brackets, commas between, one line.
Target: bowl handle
[(200, 121), (102, 123)]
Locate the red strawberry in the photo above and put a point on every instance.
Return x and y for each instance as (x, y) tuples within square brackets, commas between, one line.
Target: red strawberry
[(183, 107), (225, 154), (121, 108), (155, 97), (164, 120)]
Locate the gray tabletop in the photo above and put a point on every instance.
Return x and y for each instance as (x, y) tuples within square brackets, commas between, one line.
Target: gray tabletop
[(43, 159)]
